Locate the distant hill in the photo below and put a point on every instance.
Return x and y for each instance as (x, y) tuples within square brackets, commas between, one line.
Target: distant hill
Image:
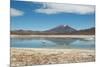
[(61, 29), (90, 31), (58, 30)]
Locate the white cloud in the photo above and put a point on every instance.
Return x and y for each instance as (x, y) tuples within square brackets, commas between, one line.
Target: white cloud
[(15, 12), (55, 8)]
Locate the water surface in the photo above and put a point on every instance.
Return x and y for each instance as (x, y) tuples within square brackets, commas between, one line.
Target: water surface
[(81, 43)]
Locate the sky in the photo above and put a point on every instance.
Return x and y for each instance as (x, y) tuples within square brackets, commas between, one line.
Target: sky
[(40, 16)]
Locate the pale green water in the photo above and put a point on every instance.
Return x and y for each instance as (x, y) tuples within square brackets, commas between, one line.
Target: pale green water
[(64, 43)]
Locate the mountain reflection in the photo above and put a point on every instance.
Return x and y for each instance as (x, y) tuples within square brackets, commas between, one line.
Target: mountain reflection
[(57, 41), (61, 41), (52, 43)]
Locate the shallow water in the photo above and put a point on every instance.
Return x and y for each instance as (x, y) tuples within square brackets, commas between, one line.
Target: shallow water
[(81, 43)]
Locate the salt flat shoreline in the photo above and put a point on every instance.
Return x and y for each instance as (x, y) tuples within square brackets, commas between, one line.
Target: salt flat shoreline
[(53, 49), (36, 56), (53, 36)]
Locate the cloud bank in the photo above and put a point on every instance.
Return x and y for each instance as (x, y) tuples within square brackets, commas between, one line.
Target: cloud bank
[(15, 12), (56, 8)]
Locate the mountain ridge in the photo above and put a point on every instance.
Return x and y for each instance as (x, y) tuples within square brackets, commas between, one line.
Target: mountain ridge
[(61, 28), (58, 30)]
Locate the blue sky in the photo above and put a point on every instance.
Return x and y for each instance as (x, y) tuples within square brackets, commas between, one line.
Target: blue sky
[(42, 16)]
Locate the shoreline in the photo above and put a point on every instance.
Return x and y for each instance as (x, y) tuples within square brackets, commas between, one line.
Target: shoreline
[(58, 49), (53, 36), (37, 56)]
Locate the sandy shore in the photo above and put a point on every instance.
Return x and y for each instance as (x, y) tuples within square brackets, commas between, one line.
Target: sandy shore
[(36, 56), (55, 36)]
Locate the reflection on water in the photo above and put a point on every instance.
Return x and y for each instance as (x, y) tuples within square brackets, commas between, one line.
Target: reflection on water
[(53, 43)]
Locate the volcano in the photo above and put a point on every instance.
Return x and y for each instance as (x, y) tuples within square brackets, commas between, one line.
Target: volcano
[(61, 29)]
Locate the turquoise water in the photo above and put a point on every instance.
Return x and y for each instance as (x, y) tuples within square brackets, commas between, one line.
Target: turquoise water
[(64, 43)]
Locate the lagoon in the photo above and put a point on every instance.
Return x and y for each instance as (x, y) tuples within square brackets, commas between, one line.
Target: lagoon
[(61, 43)]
